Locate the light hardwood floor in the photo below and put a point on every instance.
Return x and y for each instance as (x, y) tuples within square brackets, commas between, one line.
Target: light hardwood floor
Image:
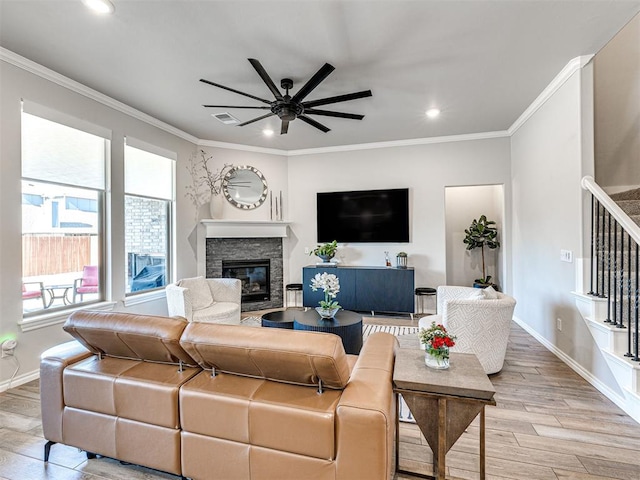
[(549, 423)]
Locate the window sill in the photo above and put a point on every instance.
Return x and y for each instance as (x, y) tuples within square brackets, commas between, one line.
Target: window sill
[(48, 319), (138, 298)]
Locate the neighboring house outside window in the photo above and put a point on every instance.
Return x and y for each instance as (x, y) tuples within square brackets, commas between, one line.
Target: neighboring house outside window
[(149, 196), (63, 197)]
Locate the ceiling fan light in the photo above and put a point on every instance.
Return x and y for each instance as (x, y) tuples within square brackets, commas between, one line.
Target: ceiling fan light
[(432, 113), (267, 132), (100, 6)]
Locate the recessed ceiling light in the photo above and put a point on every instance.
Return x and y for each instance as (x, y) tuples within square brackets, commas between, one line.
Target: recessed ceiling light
[(267, 132), (432, 113), (100, 6)]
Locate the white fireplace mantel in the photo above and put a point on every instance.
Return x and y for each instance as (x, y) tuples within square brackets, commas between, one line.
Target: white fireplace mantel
[(235, 229), (244, 228)]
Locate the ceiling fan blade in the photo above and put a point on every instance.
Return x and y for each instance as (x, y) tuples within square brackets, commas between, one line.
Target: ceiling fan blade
[(313, 82), (234, 90), (234, 106), (327, 113), (313, 123), (285, 127), (266, 78), (256, 119), (339, 98)]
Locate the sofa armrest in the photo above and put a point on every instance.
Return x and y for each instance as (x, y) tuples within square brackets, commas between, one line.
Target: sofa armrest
[(52, 363), (366, 414), (178, 302)]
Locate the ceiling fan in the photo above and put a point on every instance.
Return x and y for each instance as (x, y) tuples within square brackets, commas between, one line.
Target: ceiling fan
[(288, 108)]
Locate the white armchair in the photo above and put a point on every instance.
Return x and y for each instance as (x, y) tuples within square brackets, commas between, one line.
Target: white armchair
[(207, 300), (481, 324)]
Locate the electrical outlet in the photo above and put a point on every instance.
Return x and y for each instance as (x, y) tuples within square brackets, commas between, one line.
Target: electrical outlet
[(566, 256), (7, 348), (559, 324), (307, 250)]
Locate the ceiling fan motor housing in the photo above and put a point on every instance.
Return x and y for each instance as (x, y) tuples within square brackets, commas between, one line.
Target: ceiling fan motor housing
[(286, 109)]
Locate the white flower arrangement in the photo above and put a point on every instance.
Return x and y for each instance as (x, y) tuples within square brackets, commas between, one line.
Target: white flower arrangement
[(330, 284), (205, 182)]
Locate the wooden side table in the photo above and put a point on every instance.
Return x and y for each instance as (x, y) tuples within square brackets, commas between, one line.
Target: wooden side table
[(443, 402)]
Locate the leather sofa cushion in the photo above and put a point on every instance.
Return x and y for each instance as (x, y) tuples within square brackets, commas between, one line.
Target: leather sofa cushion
[(142, 337), (290, 418), (288, 356), (141, 391)]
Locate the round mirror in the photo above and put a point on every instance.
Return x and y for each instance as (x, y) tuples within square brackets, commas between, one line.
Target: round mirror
[(245, 187)]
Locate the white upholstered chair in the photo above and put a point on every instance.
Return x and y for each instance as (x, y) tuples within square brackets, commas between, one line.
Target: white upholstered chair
[(481, 324), (208, 300)]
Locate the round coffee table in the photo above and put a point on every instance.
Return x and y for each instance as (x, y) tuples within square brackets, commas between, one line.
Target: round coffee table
[(346, 324)]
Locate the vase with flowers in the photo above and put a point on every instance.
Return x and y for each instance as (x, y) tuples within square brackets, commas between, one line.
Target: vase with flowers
[(330, 285), (437, 342), (206, 183)]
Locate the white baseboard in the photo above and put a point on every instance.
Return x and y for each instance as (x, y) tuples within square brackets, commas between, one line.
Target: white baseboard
[(20, 380), (576, 367)]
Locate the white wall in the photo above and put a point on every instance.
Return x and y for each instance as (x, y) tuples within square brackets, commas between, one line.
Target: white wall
[(617, 110), (18, 84), (425, 169), (548, 159), (462, 206)]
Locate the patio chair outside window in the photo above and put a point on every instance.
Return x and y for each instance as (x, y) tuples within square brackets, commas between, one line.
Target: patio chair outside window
[(29, 294), (87, 284)]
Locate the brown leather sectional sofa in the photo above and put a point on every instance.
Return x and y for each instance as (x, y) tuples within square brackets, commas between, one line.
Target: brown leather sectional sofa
[(208, 401)]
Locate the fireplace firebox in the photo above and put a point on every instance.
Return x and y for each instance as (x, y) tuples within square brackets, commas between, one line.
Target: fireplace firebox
[(254, 275)]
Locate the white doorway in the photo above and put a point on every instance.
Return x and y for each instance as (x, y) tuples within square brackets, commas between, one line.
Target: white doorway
[(462, 205)]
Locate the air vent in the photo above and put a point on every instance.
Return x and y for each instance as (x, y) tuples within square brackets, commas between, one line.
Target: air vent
[(226, 118)]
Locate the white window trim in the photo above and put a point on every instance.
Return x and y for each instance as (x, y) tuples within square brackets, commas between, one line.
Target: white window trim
[(46, 320)]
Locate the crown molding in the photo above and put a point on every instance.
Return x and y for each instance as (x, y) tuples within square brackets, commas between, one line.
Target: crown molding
[(569, 69), (238, 146), (44, 72), (400, 143)]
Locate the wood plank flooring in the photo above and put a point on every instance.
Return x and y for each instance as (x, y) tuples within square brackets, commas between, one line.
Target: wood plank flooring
[(548, 424)]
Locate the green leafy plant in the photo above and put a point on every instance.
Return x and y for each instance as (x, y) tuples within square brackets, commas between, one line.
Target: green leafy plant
[(326, 249), (481, 233)]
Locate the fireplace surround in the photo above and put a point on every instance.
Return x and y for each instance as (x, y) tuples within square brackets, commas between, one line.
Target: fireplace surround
[(221, 252)]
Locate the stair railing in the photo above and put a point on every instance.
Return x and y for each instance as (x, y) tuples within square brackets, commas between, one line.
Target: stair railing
[(614, 263)]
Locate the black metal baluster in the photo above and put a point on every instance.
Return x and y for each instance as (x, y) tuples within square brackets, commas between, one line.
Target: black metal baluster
[(636, 358), (593, 236), (602, 251), (629, 280), (616, 266), (620, 319), (609, 263)]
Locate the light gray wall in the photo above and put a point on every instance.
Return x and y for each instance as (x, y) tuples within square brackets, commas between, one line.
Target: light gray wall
[(617, 110), (547, 162), (19, 84), (425, 169)]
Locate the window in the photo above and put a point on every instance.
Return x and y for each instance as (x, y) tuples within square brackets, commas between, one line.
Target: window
[(149, 194), (63, 190)]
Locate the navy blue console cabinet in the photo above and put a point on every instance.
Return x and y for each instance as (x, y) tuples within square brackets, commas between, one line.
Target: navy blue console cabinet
[(368, 289)]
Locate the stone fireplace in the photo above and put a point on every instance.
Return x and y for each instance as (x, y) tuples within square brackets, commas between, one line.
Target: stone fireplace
[(249, 250)]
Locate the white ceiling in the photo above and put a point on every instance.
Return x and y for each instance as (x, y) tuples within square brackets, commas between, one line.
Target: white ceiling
[(481, 62)]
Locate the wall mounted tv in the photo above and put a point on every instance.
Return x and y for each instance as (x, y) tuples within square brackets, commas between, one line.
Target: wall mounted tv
[(368, 216)]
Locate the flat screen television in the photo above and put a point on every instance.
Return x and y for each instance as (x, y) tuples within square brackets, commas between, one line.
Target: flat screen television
[(367, 216)]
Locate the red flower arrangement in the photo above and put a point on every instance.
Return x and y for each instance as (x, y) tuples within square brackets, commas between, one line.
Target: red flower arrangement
[(437, 340)]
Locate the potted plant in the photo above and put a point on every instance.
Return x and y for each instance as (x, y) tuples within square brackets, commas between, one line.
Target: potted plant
[(437, 342), (481, 233), (325, 251), (330, 284)]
